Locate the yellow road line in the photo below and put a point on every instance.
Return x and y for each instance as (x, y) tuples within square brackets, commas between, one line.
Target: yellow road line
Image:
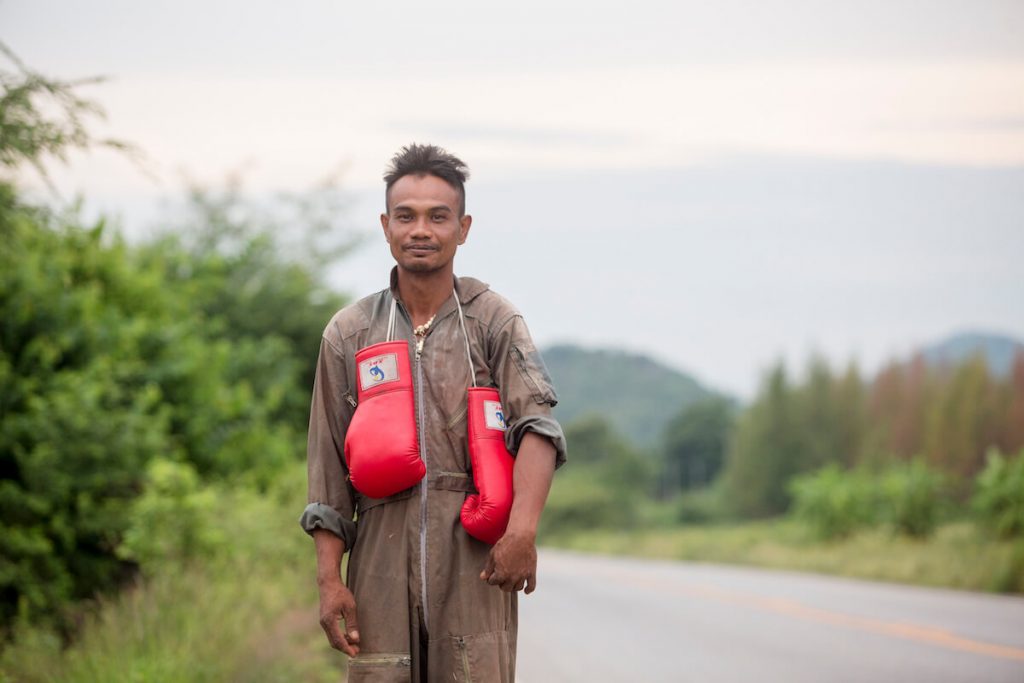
[(792, 608)]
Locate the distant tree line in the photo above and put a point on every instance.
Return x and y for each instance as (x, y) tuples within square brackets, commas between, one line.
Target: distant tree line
[(947, 417), (898, 448)]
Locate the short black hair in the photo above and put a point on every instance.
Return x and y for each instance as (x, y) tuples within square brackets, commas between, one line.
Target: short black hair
[(421, 160)]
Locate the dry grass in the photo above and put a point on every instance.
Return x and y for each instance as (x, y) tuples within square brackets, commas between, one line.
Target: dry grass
[(248, 615), (957, 556)]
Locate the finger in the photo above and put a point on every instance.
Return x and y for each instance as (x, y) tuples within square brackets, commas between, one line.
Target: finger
[(351, 623), (488, 568), (335, 637), (348, 648), (531, 583), (519, 585), (495, 579)]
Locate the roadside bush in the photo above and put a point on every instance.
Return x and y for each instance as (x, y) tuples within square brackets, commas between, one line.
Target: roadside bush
[(701, 506), (579, 502), (912, 496), (999, 494), (834, 503), (171, 522), (600, 489), (166, 370), (81, 412)]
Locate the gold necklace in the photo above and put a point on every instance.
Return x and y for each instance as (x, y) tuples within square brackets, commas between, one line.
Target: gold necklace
[(420, 332)]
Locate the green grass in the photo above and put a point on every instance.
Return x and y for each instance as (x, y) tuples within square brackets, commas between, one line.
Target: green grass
[(247, 614), (958, 555)]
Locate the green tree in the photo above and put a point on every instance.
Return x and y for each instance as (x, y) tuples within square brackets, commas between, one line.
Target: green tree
[(962, 421), (766, 451), (850, 397), (1012, 436), (897, 402), (81, 410), (194, 352), (818, 419), (694, 445)]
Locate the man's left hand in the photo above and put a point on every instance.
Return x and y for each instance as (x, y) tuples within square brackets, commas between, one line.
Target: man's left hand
[(512, 563)]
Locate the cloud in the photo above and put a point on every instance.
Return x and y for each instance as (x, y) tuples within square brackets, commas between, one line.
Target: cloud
[(503, 135)]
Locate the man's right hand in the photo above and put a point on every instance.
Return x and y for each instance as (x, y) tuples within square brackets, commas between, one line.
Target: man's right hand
[(337, 603)]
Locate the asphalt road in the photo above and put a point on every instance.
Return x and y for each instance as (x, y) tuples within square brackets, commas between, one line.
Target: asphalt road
[(607, 619)]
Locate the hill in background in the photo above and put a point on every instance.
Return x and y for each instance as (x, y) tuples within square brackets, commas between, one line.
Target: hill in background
[(639, 395), (998, 350), (635, 393)]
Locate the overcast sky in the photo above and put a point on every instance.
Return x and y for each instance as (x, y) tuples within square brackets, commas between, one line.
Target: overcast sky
[(718, 184)]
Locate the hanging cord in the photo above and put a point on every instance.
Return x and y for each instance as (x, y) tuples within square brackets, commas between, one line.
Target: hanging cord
[(391, 320), (465, 337), (462, 324)]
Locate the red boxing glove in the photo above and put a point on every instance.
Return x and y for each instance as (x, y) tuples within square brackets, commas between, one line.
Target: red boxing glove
[(485, 514), (381, 448)]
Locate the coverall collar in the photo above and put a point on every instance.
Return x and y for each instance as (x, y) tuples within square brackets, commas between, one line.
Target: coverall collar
[(466, 288)]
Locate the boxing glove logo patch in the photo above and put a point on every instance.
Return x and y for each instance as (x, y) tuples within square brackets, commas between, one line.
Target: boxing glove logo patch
[(378, 370), (494, 416)]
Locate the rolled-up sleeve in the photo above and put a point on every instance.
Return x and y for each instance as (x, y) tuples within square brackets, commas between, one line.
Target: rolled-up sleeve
[(331, 498), (527, 393)]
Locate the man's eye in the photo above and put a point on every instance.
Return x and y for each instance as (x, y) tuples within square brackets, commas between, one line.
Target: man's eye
[(404, 217), (439, 217)]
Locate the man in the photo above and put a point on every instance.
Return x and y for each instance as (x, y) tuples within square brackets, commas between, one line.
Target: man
[(424, 600)]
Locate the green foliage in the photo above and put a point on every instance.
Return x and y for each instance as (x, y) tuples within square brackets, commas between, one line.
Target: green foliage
[(700, 506), (999, 494), (961, 420), (602, 486), (834, 503), (912, 498), (694, 445), (578, 501), (192, 353), (27, 134), (244, 613), (170, 523), (766, 452), (950, 414), (81, 411), (105, 365), (947, 416), (256, 274)]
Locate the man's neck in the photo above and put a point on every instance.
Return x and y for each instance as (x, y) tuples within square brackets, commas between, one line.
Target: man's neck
[(422, 294)]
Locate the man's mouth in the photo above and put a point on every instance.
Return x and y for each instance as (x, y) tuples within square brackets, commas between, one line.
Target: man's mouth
[(420, 248)]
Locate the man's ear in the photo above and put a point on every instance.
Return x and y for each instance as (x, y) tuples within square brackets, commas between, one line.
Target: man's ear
[(386, 227), (464, 224)]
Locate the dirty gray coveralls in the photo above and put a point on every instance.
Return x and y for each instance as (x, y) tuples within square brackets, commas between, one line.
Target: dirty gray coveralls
[(424, 613)]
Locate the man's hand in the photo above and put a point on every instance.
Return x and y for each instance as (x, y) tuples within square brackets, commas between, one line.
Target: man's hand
[(512, 563), (337, 602)]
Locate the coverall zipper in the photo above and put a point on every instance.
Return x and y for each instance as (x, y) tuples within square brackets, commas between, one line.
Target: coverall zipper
[(465, 660), (420, 420)]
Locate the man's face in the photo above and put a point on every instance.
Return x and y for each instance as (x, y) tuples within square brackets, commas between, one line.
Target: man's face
[(423, 225)]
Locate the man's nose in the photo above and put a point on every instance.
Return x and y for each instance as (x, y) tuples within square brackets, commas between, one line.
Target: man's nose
[(421, 227)]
